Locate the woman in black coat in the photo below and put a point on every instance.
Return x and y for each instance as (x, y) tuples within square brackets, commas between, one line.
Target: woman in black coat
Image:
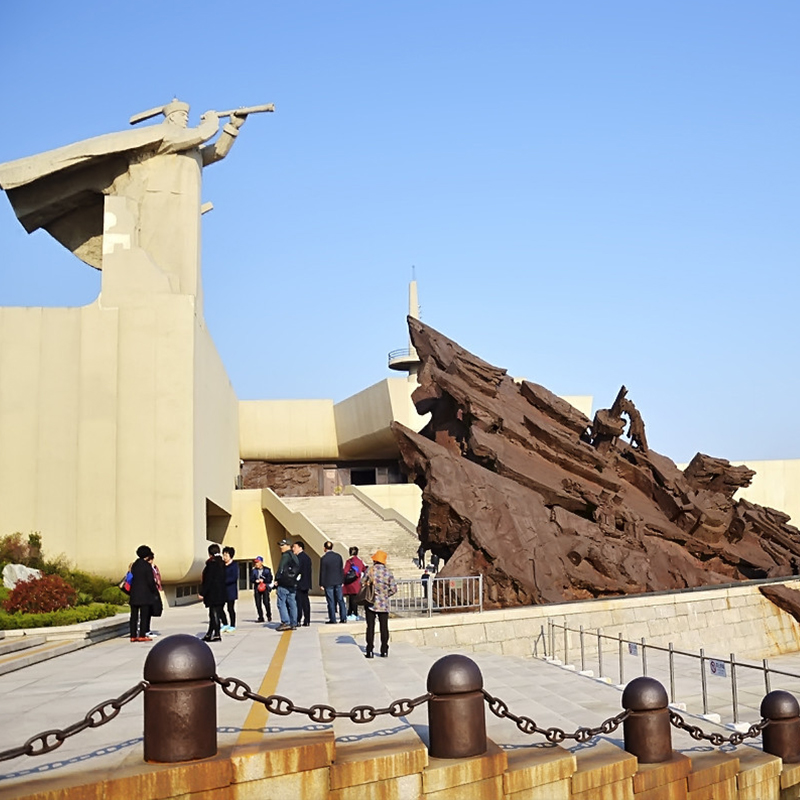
[(213, 592), (144, 593)]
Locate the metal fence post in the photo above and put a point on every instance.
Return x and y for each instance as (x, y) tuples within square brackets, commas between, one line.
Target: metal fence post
[(566, 642), (621, 665), (599, 654), (647, 730), (703, 680), (431, 587), (583, 652), (671, 673), (734, 692), (480, 591), (765, 663), (644, 657)]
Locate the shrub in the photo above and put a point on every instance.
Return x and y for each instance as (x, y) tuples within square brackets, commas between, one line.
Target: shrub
[(48, 593), (114, 595), (70, 616), (13, 549)]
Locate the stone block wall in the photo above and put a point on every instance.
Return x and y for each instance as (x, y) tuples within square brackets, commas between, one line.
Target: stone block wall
[(709, 618)]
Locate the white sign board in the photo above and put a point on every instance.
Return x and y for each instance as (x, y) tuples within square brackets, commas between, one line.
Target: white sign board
[(633, 648), (717, 668)]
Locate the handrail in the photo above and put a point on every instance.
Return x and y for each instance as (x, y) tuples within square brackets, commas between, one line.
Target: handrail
[(463, 593), (633, 647)]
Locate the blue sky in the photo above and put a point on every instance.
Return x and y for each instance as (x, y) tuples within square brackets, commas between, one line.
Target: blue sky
[(591, 193)]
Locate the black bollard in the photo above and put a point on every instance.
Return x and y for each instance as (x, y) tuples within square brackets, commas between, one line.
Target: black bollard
[(647, 730), (782, 736), (180, 703), (456, 713)]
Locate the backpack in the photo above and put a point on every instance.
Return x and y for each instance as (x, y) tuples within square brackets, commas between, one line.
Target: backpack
[(289, 575), (125, 583)]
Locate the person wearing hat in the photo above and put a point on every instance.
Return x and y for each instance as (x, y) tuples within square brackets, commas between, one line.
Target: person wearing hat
[(385, 586), (286, 579), (144, 593), (261, 576)]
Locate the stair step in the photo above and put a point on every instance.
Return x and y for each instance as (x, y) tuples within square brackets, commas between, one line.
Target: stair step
[(17, 643), (346, 519)]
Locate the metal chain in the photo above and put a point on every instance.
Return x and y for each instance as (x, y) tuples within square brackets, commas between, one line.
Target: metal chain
[(717, 739), (283, 706), (555, 735), (47, 741)]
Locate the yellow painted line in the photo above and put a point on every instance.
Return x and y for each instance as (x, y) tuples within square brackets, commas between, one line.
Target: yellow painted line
[(257, 716), (30, 651)]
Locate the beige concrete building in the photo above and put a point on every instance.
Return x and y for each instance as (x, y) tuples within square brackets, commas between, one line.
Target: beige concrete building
[(118, 422)]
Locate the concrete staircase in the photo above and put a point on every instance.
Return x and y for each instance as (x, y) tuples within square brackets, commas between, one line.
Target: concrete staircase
[(346, 519), (20, 648)]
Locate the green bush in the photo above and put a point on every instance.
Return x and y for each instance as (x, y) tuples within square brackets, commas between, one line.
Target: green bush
[(115, 596), (69, 616), (16, 549)]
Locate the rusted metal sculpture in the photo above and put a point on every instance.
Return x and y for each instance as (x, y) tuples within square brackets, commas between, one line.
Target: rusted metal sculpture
[(521, 487)]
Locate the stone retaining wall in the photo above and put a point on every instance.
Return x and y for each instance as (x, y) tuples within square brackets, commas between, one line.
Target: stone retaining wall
[(714, 619)]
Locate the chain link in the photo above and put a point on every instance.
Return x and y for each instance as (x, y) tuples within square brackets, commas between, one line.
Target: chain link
[(717, 739), (283, 706), (47, 741), (554, 735)]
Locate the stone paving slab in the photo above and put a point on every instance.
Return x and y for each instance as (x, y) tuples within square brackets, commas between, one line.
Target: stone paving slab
[(323, 664)]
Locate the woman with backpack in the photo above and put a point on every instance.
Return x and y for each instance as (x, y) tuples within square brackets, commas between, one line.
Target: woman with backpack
[(352, 588)]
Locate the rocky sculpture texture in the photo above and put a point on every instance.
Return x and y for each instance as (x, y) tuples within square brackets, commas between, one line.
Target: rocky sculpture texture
[(548, 505)]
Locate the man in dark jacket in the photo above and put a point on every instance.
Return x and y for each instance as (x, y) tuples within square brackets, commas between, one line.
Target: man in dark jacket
[(212, 592), (286, 580), (331, 579), (303, 585), (261, 578), (144, 593)]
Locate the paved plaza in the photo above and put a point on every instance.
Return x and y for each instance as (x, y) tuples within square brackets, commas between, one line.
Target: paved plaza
[(321, 664)]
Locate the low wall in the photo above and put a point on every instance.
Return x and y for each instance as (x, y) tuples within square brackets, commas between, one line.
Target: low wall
[(305, 766), (713, 619)]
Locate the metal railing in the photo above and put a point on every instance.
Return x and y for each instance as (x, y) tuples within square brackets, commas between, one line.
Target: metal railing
[(557, 643), (438, 594)]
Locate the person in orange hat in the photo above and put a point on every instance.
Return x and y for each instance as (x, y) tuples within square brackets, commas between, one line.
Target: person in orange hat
[(385, 586)]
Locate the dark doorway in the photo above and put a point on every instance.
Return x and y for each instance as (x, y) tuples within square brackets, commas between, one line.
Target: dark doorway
[(362, 477)]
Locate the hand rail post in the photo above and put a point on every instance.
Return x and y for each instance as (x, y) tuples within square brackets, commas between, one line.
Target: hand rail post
[(621, 665), (671, 673), (644, 657), (703, 680), (583, 652), (734, 692), (765, 663), (599, 654), (566, 642)]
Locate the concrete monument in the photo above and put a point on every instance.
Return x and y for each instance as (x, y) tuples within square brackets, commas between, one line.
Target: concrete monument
[(118, 422)]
